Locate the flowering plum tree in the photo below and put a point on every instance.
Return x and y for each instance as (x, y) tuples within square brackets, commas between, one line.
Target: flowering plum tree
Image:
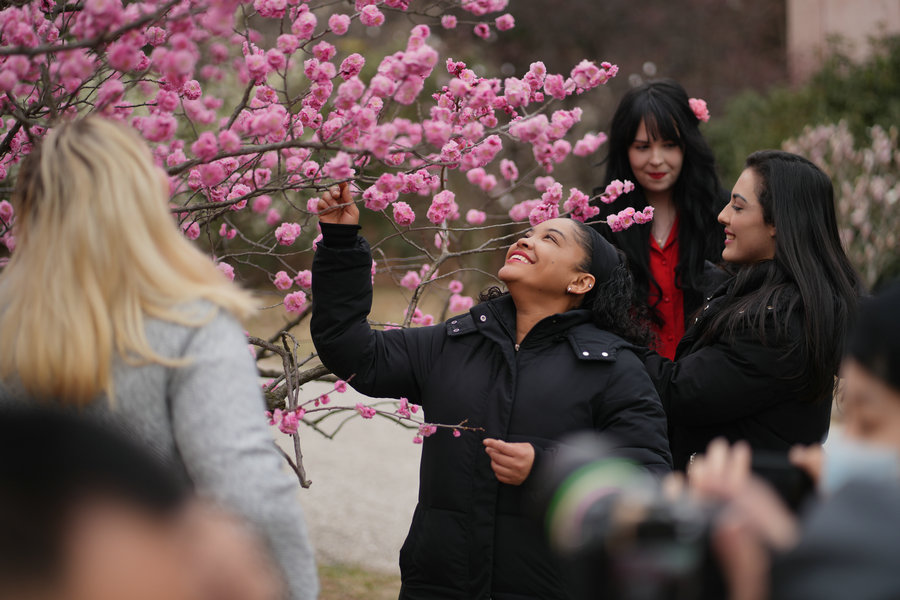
[(866, 179), (253, 107)]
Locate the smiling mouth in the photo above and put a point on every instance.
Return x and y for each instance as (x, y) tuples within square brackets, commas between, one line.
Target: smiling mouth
[(657, 175), (519, 258)]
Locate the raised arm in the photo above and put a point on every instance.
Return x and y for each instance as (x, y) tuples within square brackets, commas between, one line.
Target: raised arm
[(388, 364)]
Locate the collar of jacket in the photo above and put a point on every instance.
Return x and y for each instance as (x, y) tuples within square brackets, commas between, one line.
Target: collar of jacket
[(496, 320)]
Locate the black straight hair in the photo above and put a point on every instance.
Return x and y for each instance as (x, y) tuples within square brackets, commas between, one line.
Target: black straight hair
[(810, 271), (698, 194)]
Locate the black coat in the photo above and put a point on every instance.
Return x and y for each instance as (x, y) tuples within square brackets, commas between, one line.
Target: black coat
[(472, 537), (746, 387)]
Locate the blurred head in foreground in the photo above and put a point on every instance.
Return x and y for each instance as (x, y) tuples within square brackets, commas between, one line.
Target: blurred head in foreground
[(86, 515)]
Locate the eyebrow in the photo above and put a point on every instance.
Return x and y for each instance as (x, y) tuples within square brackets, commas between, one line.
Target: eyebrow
[(741, 197), (561, 234)]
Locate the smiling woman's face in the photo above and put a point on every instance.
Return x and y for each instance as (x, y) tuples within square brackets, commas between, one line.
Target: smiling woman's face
[(547, 259)]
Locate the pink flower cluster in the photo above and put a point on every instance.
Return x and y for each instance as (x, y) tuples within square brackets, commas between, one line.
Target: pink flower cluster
[(288, 421), (295, 302), (701, 111), (366, 412), (287, 233), (628, 217)]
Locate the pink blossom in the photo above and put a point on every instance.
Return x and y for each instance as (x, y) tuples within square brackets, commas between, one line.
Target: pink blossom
[(520, 211), (700, 109), (273, 216), (455, 286), (286, 233), (312, 205), (6, 212), (509, 170), (442, 207), (555, 86), (287, 43), (191, 90), (578, 205), (411, 280), (339, 23), (505, 22), (448, 21), (427, 429), (456, 433), (403, 214), (403, 408), (644, 216), (290, 422), (340, 386), (351, 66), (589, 144), (339, 167), (475, 217), (483, 30), (158, 128), (295, 302), (229, 140), (366, 412), (417, 439), (476, 176), (205, 148), (544, 183), (370, 16), (304, 279), (226, 269), (304, 25), (587, 74), (261, 203), (460, 304), (191, 230), (283, 281), (229, 233), (616, 188), (110, 91)]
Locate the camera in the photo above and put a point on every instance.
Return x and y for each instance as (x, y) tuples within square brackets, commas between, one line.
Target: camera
[(618, 535)]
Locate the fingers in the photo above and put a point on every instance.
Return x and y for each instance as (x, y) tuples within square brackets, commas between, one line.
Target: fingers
[(808, 458)]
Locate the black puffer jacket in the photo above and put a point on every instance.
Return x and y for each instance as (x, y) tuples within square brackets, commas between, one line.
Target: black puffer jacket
[(749, 387), (471, 536)]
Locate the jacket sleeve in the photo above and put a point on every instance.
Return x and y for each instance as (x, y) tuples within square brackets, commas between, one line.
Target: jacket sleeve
[(630, 412), (381, 364), (724, 381)]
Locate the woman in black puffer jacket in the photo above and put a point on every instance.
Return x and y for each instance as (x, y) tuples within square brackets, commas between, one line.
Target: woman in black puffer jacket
[(528, 367), (759, 362)]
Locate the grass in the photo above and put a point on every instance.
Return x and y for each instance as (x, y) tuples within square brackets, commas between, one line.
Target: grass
[(341, 582)]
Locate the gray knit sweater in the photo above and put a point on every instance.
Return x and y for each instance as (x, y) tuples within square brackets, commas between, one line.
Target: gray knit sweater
[(208, 415)]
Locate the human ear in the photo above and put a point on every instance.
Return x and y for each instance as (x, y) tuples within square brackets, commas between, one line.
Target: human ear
[(581, 284)]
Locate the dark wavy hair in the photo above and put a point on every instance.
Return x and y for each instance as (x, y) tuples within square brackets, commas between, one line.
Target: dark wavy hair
[(810, 272), (698, 194), (610, 301)]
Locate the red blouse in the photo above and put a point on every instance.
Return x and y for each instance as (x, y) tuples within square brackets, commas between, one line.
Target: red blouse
[(671, 301)]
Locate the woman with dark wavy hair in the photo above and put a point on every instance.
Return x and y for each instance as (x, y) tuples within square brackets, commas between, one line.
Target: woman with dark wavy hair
[(759, 362), (655, 141), (554, 355)]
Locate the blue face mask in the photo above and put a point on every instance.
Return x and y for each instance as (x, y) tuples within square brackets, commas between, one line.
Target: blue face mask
[(847, 460)]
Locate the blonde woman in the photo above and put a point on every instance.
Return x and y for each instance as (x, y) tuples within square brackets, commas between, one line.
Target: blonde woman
[(106, 307)]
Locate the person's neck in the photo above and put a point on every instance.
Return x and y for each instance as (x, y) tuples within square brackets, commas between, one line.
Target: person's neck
[(664, 214), (531, 309)]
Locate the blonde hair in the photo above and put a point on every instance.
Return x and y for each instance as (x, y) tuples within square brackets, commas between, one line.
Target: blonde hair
[(97, 251)]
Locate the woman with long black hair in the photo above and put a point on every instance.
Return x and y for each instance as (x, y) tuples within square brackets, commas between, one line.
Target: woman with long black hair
[(553, 356), (759, 362), (655, 142)]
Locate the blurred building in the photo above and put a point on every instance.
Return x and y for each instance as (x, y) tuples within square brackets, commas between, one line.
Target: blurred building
[(812, 23)]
